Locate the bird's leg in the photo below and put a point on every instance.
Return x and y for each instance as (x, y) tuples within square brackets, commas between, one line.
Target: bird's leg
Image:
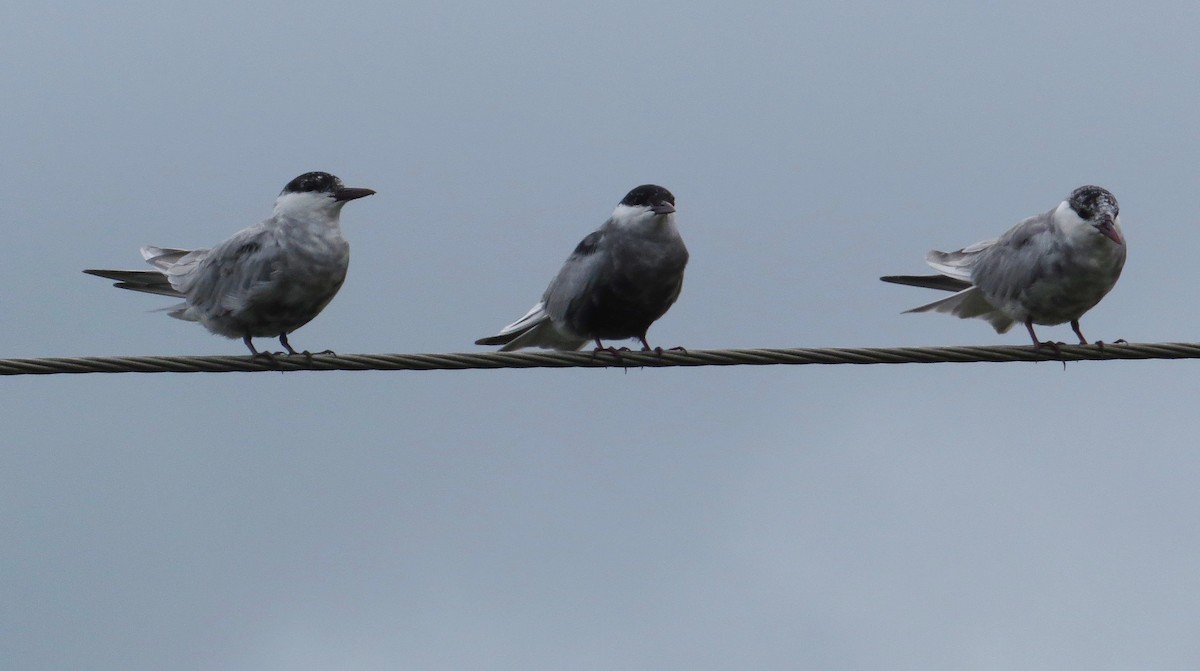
[(1038, 344), (255, 354), (1082, 340), (307, 354), (1029, 325), (610, 349), (288, 346), (658, 350), (1099, 343)]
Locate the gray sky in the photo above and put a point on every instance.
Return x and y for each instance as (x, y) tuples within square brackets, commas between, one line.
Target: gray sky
[(910, 517)]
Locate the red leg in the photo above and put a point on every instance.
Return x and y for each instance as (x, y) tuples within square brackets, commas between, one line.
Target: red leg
[(611, 350), (1075, 328), (1029, 325), (1038, 344)]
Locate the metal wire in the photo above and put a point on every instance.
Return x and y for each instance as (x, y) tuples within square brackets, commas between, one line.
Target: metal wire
[(543, 359)]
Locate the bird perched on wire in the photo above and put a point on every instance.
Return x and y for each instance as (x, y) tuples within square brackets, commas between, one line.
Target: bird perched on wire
[(1049, 269), (618, 281), (267, 280)]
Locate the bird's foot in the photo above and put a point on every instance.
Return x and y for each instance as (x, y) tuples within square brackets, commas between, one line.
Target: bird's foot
[(659, 351), (614, 351), (291, 351), (1118, 341), (1056, 346)]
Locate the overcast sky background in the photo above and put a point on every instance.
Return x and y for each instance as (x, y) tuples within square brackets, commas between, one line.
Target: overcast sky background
[(980, 516)]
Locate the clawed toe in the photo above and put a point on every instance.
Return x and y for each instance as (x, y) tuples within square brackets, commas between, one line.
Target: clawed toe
[(659, 351), (614, 351), (1056, 346)]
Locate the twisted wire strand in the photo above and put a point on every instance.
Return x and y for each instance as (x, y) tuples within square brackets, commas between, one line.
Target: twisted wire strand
[(551, 359)]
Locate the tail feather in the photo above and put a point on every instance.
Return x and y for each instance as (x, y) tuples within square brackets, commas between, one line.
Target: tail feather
[(535, 329), (146, 281), (957, 264), (163, 257), (929, 282), (967, 304)]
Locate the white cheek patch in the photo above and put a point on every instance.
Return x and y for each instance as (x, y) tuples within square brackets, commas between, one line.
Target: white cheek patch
[(626, 212), (1066, 217), (303, 202), (631, 216), (1072, 225)]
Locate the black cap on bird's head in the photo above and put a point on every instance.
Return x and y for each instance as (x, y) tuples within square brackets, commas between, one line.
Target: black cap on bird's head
[(653, 196), (1098, 207), (323, 182), (1090, 202)]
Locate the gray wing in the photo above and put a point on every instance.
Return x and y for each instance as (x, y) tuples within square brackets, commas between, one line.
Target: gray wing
[(583, 269), (999, 270), (541, 326), (224, 278), (978, 271), (1017, 259)]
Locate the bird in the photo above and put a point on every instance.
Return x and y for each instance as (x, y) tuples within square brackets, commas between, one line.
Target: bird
[(1049, 269), (266, 280), (619, 280)]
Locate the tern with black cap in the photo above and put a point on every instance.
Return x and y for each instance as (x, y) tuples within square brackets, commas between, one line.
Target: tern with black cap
[(1049, 269), (267, 280), (619, 280)]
